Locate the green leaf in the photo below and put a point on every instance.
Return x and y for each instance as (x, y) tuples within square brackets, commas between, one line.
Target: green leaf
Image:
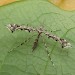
[(17, 59)]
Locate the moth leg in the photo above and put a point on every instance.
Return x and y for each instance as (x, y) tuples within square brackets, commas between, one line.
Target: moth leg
[(36, 42), (48, 53), (22, 43)]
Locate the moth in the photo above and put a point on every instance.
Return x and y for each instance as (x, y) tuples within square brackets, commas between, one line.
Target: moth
[(64, 43)]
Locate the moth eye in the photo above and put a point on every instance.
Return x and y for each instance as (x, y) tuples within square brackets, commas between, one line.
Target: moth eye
[(21, 29), (62, 46), (56, 40), (12, 31)]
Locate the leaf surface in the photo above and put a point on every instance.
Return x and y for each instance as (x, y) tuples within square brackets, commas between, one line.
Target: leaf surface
[(16, 59)]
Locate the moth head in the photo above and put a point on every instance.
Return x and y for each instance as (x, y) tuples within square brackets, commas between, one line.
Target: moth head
[(66, 45)]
